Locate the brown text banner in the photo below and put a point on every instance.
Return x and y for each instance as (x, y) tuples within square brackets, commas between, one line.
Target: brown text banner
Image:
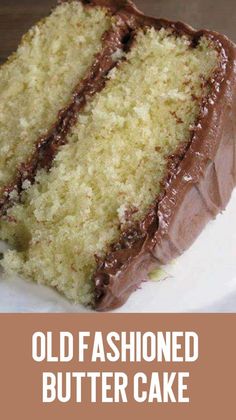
[(58, 366)]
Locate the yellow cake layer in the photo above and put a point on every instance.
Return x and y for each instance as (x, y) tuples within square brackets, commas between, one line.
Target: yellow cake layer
[(112, 165), (39, 78)]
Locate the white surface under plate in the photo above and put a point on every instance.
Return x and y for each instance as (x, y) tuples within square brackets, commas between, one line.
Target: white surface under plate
[(202, 280)]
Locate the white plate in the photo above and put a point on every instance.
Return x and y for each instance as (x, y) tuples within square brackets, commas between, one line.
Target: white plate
[(202, 280)]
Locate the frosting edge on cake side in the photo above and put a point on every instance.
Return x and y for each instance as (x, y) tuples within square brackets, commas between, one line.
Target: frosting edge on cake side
[(196, 190)]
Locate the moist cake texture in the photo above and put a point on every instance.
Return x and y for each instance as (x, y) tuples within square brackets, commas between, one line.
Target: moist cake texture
[(94, 223)]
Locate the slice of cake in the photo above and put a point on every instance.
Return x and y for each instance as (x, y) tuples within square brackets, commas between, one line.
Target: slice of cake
[(144, 164)]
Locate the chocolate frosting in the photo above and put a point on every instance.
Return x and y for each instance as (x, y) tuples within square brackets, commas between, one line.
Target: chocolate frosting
[(201, 175), (198, 186)]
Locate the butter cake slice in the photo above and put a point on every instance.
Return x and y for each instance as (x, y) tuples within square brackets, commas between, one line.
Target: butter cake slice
[(146, 160)]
